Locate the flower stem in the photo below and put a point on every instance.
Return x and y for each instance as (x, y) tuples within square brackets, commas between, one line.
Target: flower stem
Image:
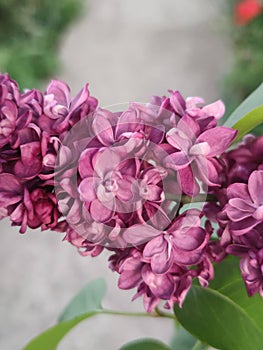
[(158, 313), (202, 197)]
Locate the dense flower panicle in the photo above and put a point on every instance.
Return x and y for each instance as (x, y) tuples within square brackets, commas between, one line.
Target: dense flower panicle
[(245, 204), (114, 185), (119, 181), (239, 163), (29, 146), (172, 286), (239, 209)]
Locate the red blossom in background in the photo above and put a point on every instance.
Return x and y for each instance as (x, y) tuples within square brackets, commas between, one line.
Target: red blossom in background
[(247, 10)]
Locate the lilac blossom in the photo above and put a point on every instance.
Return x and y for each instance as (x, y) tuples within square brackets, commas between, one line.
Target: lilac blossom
[(183, 242), (245, 204), (250, 248), (119, 181), (29, 146), (195, 152)]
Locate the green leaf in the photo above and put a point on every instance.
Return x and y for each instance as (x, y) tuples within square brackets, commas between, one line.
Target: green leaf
[(182, 340), (85, 305), (248, 115), (249, 122), (87, 300), (222, 314), (145, 344)]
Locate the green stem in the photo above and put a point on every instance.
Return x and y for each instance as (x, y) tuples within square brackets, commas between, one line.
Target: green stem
[(137, 314), (202, 197), (160, 313)]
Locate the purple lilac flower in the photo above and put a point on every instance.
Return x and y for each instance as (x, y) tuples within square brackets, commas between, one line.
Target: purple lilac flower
[(250, 248), (183, 242), (239, 209), (239, 163), (195, 151), (245, 204), (172, 286), (29, 144), (119, 178)]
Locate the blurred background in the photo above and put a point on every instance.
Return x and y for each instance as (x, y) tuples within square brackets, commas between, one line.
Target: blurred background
[(127, 50)]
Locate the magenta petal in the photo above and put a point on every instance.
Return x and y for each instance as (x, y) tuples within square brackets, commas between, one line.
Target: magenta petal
[(103, 195), (100, 212), (157, 216), (138, 234), (238, 209), (187, 257), (255, 187), (157, 245), (152, 193), (81, 97), (190, 239), (10, 190), (218, 138), (129, 279), (179, 140), (177, 160), (216, 109), (105, 161), (85, 162), (130, 273), (125, 190), (129, 167), (161, 286), (189, 127), (238, 190), (61, 92), (207, 170), (102, 127), (177, 102), (243, 226), (161, 263), (187, 181), (86, 189)]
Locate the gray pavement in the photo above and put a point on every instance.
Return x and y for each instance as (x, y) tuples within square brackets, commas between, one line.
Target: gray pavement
[(127, 50)]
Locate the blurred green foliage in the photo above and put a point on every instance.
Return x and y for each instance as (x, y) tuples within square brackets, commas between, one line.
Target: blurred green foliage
[(247, 70), (30, 31)]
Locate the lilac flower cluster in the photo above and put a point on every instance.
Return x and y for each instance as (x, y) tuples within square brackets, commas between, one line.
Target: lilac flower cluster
[(240, 209), (121, 181), (125, 182), (32, 127)]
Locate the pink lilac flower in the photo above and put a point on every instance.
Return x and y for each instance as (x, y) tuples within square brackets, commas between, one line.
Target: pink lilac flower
[(33, 207), (206, 116), (84, 246), (245, 204), (250, 248), (119, 178), (29, 144), (239, 209), (172, 286), (196, 152), (60, 112), (183, 242), (239, 163)]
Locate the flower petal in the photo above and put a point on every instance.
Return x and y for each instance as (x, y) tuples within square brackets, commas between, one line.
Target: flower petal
[(255, 187), (138, 234), (218, 138)]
